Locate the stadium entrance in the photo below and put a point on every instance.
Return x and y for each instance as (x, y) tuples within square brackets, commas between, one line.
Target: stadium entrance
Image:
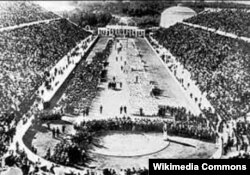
[(121, 31)]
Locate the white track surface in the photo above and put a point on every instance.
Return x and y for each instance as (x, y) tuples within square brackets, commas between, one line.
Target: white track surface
[(131, 144), (172, 151)]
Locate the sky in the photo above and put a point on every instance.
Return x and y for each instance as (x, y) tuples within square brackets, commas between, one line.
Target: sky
[(56, 5)]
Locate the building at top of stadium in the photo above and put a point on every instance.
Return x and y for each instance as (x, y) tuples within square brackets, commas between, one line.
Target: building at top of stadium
[(175, 14)]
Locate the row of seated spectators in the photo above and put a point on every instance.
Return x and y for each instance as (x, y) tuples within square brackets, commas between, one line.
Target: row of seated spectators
[(228, 20), (219, 65), (26, 53), (82, 88), (18, 12)]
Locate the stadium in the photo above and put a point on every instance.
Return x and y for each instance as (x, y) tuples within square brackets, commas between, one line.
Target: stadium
[(99, 88)]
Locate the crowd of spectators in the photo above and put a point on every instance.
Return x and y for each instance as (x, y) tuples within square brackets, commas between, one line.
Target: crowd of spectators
[(228, 20), (78, 51), (7, 131), (128, 171), (219, 65), (235, 134), (18, 12), (189, 125), (27, 54), (82, 88), (122, 124), (18, 159), (241, 156), (65, 153), (76, 151), (184, 125)]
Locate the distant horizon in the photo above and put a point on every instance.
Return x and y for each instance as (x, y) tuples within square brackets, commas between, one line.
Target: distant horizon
[(56, 5)]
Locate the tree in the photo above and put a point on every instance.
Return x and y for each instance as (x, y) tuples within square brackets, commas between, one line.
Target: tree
[(84, 141)]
